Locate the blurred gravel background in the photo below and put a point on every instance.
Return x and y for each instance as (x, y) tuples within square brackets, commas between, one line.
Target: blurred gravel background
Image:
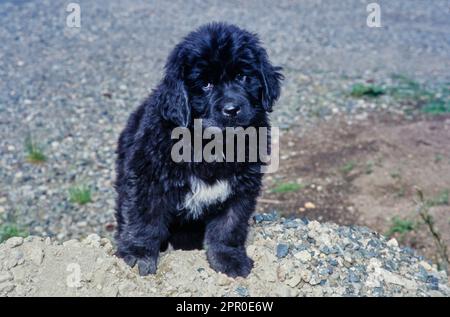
[(73, 89)]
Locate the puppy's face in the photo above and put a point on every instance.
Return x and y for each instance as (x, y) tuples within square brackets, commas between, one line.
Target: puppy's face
[(226, 77), (224, 90)]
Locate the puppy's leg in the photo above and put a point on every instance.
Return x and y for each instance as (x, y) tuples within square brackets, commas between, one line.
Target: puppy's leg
[(225, 239), (143, 228)]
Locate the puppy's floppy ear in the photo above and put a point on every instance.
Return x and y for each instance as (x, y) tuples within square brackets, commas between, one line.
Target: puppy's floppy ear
[(174, 104), (271, 78)]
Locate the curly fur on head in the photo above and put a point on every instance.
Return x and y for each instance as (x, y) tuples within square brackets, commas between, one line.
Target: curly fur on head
[(221, 74)]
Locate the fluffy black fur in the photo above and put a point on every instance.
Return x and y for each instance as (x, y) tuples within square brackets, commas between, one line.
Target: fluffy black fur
[(214, 69)]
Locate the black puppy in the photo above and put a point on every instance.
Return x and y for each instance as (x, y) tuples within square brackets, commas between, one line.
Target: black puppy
[(222, 75)]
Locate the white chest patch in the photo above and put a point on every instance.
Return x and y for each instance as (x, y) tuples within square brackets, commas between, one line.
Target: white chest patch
[(202, 195)]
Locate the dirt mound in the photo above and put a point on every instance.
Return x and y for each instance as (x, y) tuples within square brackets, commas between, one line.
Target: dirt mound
[(292, 258)]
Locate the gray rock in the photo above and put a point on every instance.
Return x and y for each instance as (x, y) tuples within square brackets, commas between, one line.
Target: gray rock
[(352, 277), (390, 265), (268, 217), (422, 275), (333, 262), (282, 250), (290, 224), (433, 282), (326, 250), (242, 291)]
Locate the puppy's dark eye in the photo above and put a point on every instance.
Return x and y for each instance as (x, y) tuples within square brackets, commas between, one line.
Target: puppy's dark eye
[(241, 78), (208, 87)]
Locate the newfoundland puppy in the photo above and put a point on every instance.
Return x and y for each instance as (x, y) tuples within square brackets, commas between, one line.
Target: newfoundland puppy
[(221, 74)]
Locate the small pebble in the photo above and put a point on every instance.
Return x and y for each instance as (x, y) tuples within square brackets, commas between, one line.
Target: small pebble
[(242, 291), (282, 250), (392, 243), (310, 205), (14, 242), (304, 256)]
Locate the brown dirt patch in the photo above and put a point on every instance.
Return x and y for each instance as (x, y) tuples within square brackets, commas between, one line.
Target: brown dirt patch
[(365, 173)]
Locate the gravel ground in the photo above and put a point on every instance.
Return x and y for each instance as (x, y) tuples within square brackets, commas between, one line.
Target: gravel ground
[(72, 89), (292, 258)]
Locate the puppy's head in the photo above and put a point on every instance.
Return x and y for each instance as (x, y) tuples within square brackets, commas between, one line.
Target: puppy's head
[(222, 75)]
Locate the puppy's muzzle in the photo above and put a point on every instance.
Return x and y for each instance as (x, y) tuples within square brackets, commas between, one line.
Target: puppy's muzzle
[(231, 109)]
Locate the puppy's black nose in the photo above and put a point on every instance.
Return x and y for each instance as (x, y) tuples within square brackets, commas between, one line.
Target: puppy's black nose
[(231, 109)]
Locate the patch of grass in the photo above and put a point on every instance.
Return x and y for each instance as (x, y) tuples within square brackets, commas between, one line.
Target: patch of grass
[(440, 200), (408, 89), (429, 102), (396, 175), (405, 80), (400, 226), (348, 167), (436, 107), (443, 260), (287, 187), (438, 158), (9, 230), (369, 168), (362, 90), (80, 194), (34, 152)]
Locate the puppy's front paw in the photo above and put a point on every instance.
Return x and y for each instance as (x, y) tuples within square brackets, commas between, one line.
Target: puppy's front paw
[(233, 262), (146, 264)]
